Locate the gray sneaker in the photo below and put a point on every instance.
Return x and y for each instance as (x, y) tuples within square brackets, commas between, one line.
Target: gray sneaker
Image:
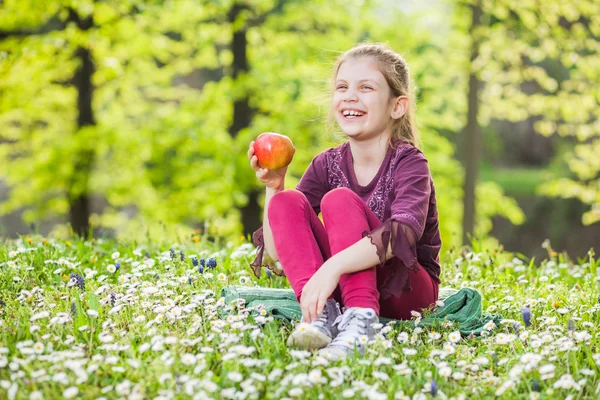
[(356, 328), (317, 334)]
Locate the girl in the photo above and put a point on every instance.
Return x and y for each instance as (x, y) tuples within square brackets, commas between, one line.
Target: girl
[(378, 251)]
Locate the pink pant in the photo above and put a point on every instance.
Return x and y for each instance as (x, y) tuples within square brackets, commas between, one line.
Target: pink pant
[(303, 243)]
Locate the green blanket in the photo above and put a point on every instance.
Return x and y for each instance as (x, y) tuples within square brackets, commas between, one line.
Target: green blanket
[(462, 307)]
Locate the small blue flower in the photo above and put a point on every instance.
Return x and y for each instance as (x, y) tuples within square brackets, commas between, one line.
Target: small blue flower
[(517, 327), (79, 281), (113, 298), (535, 385), (181, 255), (434, 388), (194, 261), (526, 312), (200, 268), (269, 273), (202, 262), (212, 263), (173, 255), (190, 280), (117, 266)]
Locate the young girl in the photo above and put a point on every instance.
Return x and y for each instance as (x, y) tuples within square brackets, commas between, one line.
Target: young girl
[(378, 251)]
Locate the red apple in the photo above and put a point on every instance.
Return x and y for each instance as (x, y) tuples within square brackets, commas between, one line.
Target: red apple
[(273, 150)]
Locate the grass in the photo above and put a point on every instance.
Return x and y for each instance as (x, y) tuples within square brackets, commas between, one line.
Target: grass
[(152, 329), (517, 181)]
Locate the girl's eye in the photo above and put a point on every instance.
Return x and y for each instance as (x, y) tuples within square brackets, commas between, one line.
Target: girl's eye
[(367, 87), (341, 86)]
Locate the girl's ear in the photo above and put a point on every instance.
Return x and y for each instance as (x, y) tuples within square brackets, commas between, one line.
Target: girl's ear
[(400, 107)]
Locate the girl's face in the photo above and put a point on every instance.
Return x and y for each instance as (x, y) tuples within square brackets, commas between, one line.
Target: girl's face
[(361, 100)]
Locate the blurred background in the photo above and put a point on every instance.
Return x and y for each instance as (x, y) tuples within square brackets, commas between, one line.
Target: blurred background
[(130, 118)]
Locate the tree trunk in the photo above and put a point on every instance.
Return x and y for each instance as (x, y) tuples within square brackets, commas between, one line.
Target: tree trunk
[(79, 204), (472, 134), (242, 115)]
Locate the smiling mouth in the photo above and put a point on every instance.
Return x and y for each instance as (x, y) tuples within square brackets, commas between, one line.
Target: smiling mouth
[(353, 116)]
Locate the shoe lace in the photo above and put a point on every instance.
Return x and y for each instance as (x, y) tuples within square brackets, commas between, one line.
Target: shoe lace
[(350, 324)]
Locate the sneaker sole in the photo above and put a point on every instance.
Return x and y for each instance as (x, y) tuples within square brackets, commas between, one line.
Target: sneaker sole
[(309, 340)]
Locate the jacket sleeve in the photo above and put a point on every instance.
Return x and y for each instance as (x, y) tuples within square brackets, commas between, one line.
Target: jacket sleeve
[(412, 190)]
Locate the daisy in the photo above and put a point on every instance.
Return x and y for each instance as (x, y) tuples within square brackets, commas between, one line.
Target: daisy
[(188, 359), (111, 268), (454, 337), (38, 348), (70, 392)]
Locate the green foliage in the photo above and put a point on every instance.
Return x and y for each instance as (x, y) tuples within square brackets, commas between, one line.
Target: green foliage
[(164, 94)]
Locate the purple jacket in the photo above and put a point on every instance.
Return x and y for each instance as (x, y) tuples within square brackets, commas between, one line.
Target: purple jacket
[(401, 192)]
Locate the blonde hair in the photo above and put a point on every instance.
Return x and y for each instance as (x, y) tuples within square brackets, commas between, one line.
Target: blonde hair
[(395, 71)]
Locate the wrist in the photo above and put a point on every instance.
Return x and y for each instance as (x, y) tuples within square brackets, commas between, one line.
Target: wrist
[(336, 265), (276, 189)]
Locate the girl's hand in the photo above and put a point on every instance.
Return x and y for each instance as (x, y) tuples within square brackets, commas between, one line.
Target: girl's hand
[(317, 290), (273, 179)]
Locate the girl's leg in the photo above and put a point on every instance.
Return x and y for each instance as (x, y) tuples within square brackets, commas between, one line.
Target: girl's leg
[(424, 293), (300, 238), (346, 217)]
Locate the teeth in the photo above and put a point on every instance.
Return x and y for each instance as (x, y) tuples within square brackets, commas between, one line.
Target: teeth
[(352, 112)]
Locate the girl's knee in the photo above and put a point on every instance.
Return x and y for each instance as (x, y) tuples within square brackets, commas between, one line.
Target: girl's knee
[(288, 200), (335, 199)]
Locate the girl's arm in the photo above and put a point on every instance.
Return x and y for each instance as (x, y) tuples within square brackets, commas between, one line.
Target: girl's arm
[(363, 254), (267, 234)]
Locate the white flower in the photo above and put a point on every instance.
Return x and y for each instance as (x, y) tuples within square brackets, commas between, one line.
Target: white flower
[(115, 255), (40, 315), (38, 348), (402, 337), (92, 313), (70, 392), (408, 351), (235, 376), (295, 392), (188, 359), (111, 268), (348, 393), (454, 337), (36, 395), (445, 372)]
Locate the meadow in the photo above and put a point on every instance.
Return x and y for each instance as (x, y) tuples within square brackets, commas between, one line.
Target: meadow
[(104, 319)]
